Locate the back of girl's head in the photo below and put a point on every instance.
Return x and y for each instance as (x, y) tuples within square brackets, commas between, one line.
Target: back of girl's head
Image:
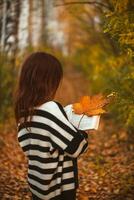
[(38, 81)]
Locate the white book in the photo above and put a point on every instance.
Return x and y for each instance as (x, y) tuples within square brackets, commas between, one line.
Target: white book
[(86, 122)]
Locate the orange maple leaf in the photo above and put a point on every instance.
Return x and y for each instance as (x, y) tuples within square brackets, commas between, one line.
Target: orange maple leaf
[(91, 105)]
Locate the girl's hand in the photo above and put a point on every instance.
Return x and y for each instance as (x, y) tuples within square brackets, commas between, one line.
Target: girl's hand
[(87, 131)]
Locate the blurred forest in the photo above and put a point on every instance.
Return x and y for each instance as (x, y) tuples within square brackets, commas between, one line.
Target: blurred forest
[(94, 40)]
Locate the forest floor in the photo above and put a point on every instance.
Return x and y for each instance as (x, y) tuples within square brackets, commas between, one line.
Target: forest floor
[(106, 170)]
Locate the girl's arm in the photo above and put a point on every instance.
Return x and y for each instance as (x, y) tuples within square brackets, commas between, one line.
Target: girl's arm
[(65, 137)]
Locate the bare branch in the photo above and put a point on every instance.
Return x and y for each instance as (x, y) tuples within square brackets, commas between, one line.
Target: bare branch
[(85, 2)]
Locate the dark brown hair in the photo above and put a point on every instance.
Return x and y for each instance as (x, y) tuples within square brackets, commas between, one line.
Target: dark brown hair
[(39, 79)]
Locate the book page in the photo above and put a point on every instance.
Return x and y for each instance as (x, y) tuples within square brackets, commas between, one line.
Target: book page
[(86, 122)]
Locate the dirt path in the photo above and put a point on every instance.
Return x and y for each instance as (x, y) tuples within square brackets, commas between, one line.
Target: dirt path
[(106, 170), (74, 85)]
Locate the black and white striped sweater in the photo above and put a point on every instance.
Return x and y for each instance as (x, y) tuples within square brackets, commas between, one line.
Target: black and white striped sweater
[(52, 147)]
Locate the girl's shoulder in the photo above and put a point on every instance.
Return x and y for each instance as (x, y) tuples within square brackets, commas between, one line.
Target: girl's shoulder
[(47, 105), (52, 107)]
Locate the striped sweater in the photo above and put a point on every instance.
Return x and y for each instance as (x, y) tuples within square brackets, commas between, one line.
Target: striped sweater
[(52, 148)]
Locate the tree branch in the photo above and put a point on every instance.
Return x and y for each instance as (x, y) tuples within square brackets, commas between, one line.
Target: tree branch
[(85, 2)]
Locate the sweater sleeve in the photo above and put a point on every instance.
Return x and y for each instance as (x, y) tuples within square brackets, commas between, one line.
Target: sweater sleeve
[(66, 137)]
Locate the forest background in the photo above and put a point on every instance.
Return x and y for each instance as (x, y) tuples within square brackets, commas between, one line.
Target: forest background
[(93, 38)]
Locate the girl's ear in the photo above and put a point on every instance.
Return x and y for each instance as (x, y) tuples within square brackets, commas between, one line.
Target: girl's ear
[(59, 90), (60, 85)]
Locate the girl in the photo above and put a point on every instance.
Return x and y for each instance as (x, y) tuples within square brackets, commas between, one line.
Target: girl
[(50, 142)]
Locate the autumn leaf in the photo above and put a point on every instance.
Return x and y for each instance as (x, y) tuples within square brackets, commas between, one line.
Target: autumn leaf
[(92, 105), (95, 112), (78, 108)]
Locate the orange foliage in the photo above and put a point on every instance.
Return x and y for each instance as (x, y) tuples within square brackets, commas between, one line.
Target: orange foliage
[(92, 105)]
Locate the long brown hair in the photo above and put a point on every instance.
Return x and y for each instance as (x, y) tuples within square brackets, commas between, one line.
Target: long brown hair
[(38, 81)]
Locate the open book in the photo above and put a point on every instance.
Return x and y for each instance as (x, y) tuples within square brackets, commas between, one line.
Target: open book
[(86, 122)]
